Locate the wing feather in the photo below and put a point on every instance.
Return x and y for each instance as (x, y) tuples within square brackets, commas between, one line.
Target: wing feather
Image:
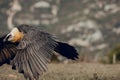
[(39, 61), (36, 66), (34, 52), (7, 50)]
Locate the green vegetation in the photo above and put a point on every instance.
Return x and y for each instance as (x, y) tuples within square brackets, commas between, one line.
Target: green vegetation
[(116, 51)]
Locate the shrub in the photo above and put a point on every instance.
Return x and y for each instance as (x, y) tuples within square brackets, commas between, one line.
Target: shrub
[(116, 51)]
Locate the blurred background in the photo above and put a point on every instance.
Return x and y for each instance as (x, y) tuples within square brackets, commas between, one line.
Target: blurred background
[(92, 26)]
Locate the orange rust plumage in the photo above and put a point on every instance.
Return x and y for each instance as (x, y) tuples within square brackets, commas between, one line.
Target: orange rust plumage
[(16, 35)]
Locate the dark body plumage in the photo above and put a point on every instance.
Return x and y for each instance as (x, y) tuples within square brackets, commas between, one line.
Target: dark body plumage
[(32, 53)]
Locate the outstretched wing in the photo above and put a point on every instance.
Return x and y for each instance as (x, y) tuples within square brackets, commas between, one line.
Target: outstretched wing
[(7, 50), (66, 50), (34, 52)]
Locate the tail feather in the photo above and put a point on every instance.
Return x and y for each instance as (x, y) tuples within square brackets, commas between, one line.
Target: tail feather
[(66, 50)]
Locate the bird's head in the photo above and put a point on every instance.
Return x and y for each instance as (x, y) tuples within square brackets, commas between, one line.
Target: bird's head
[(14, 36)]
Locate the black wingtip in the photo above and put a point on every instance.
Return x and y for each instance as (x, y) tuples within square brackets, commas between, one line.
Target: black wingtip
[(67, 50)]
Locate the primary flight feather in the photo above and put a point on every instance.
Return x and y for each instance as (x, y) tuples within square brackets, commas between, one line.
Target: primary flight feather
[(28, 50)]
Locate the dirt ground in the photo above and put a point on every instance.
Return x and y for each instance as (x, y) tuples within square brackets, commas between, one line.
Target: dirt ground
[(71, 71)]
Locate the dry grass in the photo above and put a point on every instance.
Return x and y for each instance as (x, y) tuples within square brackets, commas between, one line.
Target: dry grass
[(72, 71)]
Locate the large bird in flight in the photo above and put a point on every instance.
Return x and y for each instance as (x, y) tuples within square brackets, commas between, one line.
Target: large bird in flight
[(28, 50)]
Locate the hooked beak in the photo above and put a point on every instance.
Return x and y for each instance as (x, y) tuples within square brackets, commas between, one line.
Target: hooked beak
[(8, 37), (14, 36)]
